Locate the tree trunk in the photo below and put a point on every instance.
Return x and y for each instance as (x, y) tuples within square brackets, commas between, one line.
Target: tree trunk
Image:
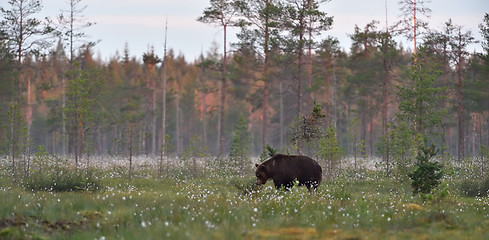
[(265, 112), (363, 127), (327, 96), (13, 139), (79, 146), (415, 29), (333, 100), (149, 110), (299, 72), (222, 99), (282, 131), (309, 63), (474, 133), (28, 115), (266, 81), (19, 74), (385, 108), (163, 107), (130, 152), (74, 127), (64, 137), (153, 122), (177, 121), (487, 132), (371, 137), (461, 139), (204, 111)]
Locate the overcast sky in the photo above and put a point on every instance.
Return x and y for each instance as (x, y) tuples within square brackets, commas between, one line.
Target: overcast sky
[(141, 23)]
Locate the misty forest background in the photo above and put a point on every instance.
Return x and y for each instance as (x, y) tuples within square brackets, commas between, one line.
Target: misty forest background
[(284, 75)]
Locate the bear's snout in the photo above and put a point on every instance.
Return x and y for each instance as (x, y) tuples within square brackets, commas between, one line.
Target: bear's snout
[(260, 182)]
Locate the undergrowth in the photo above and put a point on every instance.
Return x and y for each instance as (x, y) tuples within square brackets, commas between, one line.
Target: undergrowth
[(220, 205)]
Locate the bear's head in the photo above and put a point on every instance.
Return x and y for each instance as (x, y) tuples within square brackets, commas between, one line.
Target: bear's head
[(262, 174)]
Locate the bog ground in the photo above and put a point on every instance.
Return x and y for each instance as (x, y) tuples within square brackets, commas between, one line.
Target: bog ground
[(216, 205)]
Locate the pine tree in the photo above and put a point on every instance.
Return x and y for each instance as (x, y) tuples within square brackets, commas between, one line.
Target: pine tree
[(388, 53), (301, 18), (223, 13), (366, 72), (484, 56), (426, 175), (419, 97), (459, 44), (25, 35), (411, 23), (82, 99), (70, 25), (150, 60), (306, 129), (259, 31)]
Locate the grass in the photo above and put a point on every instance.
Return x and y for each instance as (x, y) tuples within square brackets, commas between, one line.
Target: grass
[(219, 207)]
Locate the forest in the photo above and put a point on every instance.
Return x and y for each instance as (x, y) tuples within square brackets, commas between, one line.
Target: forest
[(379, 98), (150, 145)]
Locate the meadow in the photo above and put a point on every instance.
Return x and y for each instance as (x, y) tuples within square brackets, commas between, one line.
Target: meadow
[(216, 204)]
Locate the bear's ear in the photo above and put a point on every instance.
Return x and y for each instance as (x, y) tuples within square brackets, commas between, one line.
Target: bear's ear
[(256, 165)]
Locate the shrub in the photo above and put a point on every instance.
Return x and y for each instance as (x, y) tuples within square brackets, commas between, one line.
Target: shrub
[(246, 186), (49, 173), (66, 180), (268, 152), (475, 188), (426, 175)]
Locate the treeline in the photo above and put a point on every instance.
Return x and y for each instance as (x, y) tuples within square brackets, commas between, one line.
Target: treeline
[(377, 96)]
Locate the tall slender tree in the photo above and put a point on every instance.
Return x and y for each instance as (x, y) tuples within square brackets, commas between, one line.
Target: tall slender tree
[(388, 53), (163, 105), (259, 30), (438, 44), (150, 60), (364, 78), (484, 56), (411, 23), (419, 97), (299, 17), (71, 22), (317, 23), (328, 52), (459, 43), (224, 14), (82, 93)]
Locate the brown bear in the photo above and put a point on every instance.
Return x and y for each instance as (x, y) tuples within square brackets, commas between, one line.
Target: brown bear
[(285, 169)]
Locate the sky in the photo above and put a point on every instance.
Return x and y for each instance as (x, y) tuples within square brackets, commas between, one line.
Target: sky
[(141, 23)]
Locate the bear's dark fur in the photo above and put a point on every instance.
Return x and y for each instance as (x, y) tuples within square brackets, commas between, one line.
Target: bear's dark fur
[(285, 169)]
